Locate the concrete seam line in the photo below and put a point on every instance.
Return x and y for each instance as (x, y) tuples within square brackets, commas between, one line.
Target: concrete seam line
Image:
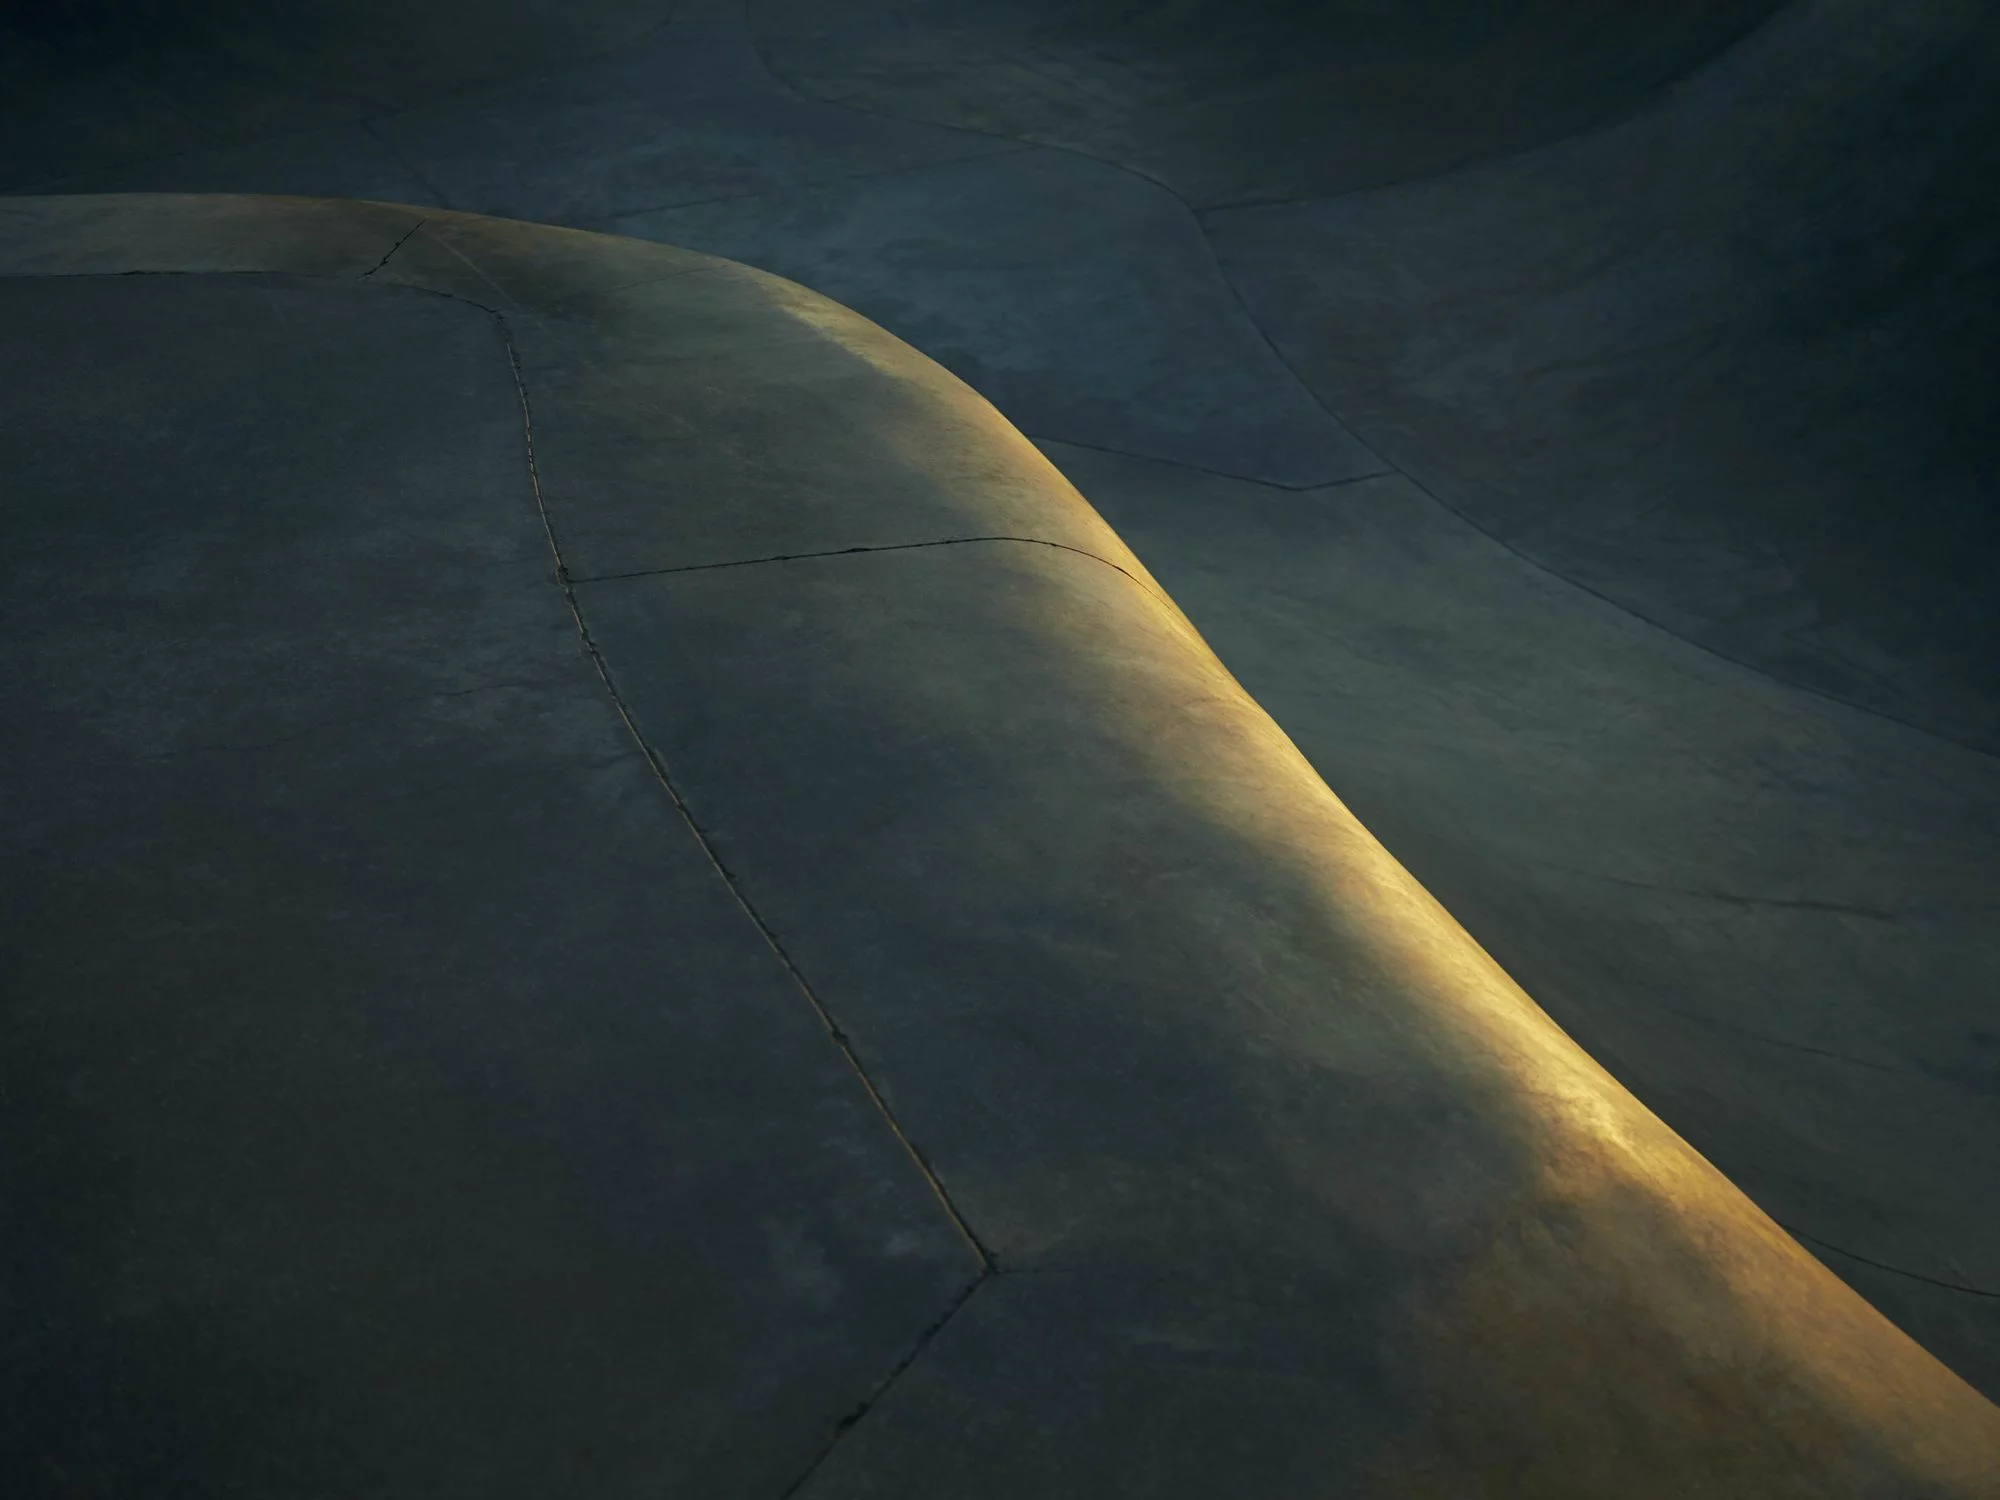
[(1387, 471), (867, 1404), (1193, 214), (390, 254), (1200, 214), (1398, 466), (1807, 1050), (660, 772), (1395, 468), (1880, 1265), (943, 541)]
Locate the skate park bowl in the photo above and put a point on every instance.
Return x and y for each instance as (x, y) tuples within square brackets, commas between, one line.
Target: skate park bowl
[(1074, 750)]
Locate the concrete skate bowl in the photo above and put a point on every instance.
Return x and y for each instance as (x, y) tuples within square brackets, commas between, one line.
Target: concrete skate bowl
[(1768, 915), (1724, 359), (628, 892), (1727, 358)]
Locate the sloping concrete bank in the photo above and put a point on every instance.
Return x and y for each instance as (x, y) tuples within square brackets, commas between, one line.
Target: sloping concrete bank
[(838, 992), (1729, 363), (1718, 347)]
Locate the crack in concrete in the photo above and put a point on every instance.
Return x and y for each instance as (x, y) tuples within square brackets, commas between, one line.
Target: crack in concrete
[(1732, 898), (1841, 1057), (1193, 468), (949, 541), (988, 1265), (404, 239), (867, 1403), (1880, 1265), (1716, 653), (1137, 175), (1199, 217), (988, 1262)]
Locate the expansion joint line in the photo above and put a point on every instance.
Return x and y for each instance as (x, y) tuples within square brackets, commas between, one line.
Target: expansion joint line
[(665, 777), (988, 1265), (390, 254), (1881, 1265), (867, 1403), (929, 545)]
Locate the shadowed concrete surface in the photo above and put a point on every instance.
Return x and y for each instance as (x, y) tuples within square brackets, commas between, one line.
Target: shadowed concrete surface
[(625, 889), (87, 84), (1231, 101), (1756, 907), (375, 1030), (1703, 360), (1755, 400), (1645, 432)]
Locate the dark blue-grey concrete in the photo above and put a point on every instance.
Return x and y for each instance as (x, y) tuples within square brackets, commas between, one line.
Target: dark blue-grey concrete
[(1573, 425), (375, 1029)]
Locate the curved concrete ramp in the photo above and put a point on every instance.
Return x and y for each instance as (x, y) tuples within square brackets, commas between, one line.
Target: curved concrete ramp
[(830, 989), (1718, 348)]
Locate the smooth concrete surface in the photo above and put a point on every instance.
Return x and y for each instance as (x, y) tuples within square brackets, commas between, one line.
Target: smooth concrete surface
[(1579, 368), (1752, 905), (1235, 101), (1730, 364), (1718, 360), (375, 1029), (91, 84), (885, 1016), (1012, 266), (1698, 359), (1694, 358)]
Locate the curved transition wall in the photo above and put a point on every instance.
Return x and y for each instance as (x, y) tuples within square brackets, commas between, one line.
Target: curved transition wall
[(1723, 357), (1727, 360), (880, 1013)]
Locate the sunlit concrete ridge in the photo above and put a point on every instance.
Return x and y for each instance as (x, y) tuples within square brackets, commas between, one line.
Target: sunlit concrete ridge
[(1206, 1147), (611, 884)]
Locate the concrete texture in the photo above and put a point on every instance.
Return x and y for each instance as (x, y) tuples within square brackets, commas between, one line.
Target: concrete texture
[(1233, 101), (1766, 911), (91, 84), (375, 1027), (1752, 905), (1082, 301), (1755, 401), (884, 1015)]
